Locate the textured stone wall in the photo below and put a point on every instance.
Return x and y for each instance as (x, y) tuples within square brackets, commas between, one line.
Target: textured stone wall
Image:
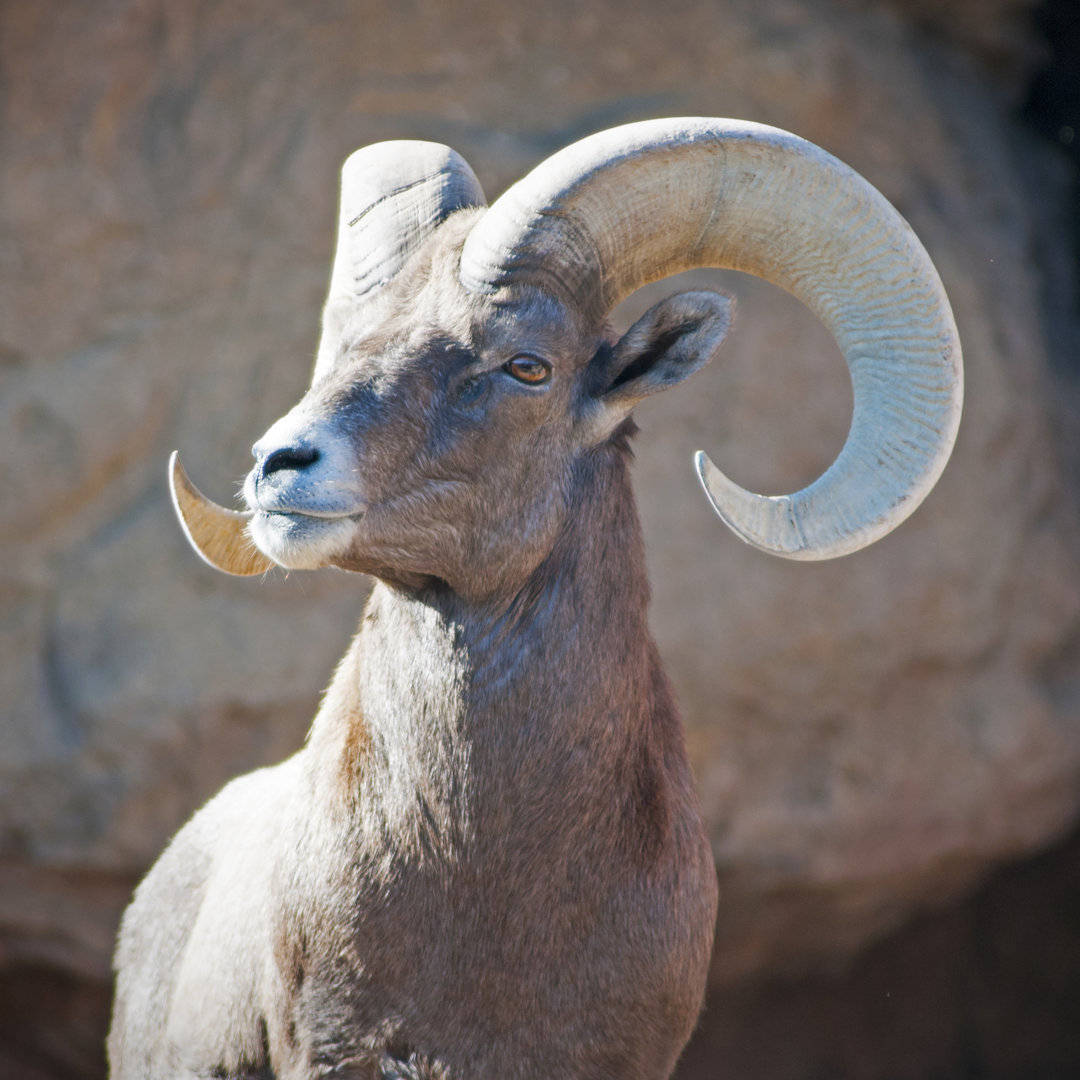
[(870, 736)]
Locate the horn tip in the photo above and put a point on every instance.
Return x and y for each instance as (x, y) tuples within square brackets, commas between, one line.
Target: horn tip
[(219, 536)]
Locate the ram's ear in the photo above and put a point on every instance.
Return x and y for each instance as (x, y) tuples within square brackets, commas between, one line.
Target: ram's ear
[(671, 341)]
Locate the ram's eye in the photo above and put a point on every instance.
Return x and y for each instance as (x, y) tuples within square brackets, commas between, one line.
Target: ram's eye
[(528, 369)]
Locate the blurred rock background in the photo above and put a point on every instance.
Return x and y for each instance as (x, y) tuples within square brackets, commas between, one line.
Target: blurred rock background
[(888, 747)]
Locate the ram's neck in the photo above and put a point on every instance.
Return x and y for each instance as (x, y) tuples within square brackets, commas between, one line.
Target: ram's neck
[(446, 718)]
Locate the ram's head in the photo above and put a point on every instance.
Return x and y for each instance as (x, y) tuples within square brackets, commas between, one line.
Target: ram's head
[(466, 365)]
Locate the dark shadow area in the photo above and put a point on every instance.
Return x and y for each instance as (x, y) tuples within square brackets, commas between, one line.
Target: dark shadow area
[(52, 1025), (988, 990), (1052, 107)]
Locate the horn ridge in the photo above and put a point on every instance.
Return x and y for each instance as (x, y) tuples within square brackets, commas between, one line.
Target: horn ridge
[(627, 206), (393, 196)]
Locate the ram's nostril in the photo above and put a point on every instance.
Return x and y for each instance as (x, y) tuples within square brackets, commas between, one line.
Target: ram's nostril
[(289, 457)]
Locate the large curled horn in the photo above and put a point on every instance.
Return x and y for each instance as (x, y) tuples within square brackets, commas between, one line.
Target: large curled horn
[(393, 194), (637, 203)]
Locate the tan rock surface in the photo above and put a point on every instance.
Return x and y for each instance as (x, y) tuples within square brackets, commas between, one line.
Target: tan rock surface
[(870, 735)]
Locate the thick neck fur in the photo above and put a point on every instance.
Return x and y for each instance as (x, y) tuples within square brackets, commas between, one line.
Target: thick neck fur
[(451, 726)]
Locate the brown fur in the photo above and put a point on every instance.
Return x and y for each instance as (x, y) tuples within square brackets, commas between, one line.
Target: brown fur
[(487, 862)]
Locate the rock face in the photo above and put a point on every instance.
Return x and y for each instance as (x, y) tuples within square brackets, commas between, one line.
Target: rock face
[(870, 736), (997, 33)]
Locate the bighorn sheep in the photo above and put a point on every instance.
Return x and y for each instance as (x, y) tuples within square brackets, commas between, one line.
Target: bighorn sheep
[(487, 861)]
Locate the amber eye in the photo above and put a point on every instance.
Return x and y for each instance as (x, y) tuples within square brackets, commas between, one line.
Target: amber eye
[(528, 369)]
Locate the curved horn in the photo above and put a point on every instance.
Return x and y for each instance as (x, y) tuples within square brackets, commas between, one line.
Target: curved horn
[(633, 204), (393, 194), (220, 536)]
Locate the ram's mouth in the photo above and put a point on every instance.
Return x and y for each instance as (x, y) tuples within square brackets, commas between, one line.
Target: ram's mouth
[(318, 497), (307, 513), (258, 540), (302, 540)]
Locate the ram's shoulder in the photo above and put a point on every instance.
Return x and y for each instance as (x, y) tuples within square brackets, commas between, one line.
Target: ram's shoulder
[(192, 949)]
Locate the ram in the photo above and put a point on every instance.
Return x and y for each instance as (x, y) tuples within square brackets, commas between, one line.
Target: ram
[(488, 861)]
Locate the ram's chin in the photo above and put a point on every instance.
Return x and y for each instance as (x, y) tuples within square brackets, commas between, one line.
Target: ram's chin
[(300, 542)]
